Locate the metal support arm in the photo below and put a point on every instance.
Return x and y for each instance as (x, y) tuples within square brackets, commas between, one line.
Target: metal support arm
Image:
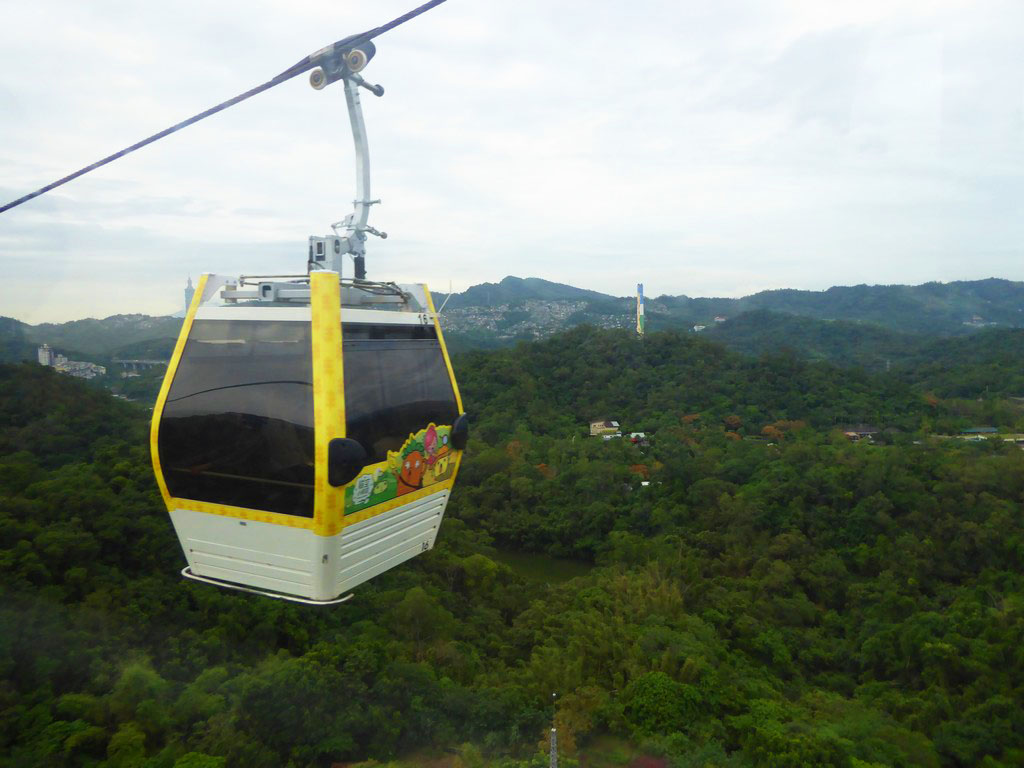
[(355, 222), (346, 66)]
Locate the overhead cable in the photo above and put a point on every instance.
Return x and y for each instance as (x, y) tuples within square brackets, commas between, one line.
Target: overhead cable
[(298, 68)]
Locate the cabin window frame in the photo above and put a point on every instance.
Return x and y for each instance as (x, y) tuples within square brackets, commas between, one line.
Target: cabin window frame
[(251, 441), (397, 382)]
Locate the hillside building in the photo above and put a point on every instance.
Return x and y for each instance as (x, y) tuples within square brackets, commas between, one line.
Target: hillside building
[(82, 370), (856, 432), (604, 428)]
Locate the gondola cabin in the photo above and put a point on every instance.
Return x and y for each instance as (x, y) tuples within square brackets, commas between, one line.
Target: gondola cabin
[(309, 428), (308, 433)]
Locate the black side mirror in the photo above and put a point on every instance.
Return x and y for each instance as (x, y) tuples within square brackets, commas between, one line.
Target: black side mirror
[(460, 432), (345, 457)]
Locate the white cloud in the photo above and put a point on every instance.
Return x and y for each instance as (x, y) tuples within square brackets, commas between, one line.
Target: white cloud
[(706, 149)]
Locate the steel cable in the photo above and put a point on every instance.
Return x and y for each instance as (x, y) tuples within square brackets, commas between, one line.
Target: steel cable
[(298, 68)]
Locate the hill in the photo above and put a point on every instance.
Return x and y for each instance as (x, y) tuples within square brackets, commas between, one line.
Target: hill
[(517, 309), (490, 315), (557, 386), (14, 343), (96, 341), (932, 308), (983, 365), (514, 289), (104, 337), (798, 600), (841, 342)]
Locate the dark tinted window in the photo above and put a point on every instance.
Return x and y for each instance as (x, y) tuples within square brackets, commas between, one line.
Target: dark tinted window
[(396, 383), (237, 427)]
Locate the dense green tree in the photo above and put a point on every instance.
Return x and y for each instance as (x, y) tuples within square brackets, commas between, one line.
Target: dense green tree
[(761, 591)]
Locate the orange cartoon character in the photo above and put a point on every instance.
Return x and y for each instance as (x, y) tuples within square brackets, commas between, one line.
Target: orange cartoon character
[(410, 476)]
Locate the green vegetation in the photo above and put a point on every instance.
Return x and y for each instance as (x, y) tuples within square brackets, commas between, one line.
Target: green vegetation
[(106, 337), (841, 342), (776, 596), (541, 567), (985, 363)]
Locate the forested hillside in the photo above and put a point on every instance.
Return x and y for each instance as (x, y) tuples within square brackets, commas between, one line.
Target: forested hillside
[(987, 365), (14, 345), (845, 344), (774, 596), (931, 308), (530, 308), (984, 362), (105, 337), (556, 387)]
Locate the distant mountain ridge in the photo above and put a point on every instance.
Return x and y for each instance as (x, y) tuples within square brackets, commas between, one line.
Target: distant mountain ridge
[(512, 289), (943, 308), (511, 310), (875, 321), (92, 339)]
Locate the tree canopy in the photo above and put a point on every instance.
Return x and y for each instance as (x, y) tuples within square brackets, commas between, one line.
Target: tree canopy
[(761, 591)]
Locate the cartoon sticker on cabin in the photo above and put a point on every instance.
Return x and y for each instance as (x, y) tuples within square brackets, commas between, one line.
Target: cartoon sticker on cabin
[(423, 460)]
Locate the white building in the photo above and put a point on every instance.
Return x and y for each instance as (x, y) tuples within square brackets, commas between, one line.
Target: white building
[(82, 370)]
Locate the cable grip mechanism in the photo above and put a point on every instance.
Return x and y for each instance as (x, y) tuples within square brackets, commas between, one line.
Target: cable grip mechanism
[(343, 64)]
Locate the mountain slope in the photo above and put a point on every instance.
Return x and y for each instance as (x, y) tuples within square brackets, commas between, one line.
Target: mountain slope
[(520, 309), (103, 337), (869, 325), (14, 345), (841, 342), (515, 289)]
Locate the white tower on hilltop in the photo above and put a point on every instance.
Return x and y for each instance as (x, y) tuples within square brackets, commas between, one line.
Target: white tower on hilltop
[(189, 293), (640, 320)]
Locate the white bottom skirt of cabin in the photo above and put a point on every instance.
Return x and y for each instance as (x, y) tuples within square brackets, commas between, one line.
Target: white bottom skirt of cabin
[(296, 561)]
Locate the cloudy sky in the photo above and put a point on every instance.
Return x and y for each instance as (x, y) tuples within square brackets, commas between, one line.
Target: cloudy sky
[(702, 148)]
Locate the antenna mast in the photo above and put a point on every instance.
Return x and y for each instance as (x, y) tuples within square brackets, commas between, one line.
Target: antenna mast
[(554, 739)]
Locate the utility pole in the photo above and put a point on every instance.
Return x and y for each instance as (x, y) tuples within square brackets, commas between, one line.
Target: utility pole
[(554, 737)]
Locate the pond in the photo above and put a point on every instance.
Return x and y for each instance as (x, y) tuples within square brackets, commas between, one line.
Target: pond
[(540, 567)]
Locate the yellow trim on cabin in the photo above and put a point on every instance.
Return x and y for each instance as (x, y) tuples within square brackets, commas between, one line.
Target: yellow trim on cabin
[(386, 506), (242, 513), (165, 387), (294, 521), (444, 348), (451, 372), (455, 472), (398, 501), (328, 396)]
